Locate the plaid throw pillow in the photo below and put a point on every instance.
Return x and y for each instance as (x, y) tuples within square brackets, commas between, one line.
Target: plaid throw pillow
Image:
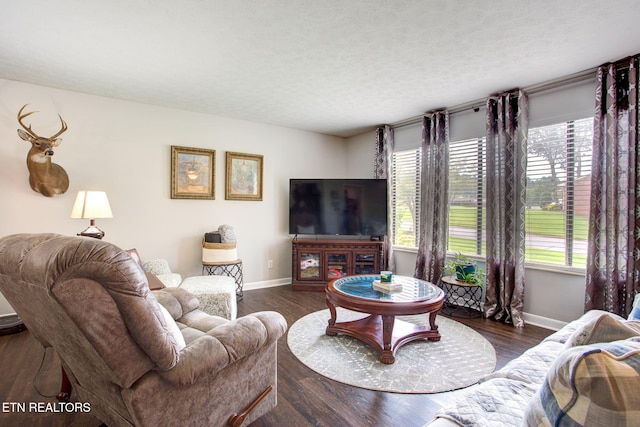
[(591, 385)]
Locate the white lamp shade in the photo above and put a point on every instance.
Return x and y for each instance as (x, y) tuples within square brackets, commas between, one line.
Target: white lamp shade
[(91, 205)]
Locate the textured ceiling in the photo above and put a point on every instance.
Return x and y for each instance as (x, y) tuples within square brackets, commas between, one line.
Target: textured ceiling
[(333, 66)]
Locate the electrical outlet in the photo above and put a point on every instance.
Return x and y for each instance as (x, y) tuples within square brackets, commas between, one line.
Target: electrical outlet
[(270, 263)]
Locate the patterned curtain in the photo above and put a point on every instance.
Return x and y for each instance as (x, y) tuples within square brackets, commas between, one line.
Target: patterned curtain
[(382, 170), (434, 197), (613, 270), (507, 127)]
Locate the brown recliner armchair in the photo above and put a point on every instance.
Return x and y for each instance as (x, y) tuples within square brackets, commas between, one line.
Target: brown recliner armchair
[(121, 350)]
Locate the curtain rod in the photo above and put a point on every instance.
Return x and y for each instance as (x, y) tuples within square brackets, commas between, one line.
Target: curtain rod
[(533, 89)]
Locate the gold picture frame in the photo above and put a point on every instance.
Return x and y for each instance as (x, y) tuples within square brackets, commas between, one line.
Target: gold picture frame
[(244, 176), (192, 173)]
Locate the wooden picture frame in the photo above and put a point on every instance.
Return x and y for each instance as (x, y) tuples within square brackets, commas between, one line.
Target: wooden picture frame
[(192, 173), (244, 176)]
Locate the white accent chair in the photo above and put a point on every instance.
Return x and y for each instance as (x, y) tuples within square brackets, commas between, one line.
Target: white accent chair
[(217, 294)]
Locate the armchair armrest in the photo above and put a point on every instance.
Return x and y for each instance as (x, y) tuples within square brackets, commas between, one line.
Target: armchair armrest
[(177, 301), (226, 344)]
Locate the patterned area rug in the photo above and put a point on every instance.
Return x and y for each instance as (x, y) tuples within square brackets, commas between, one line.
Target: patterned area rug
[(458, 360)]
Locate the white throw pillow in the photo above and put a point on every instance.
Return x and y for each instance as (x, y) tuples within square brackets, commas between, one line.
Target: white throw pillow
[(606, 328), (172, 327)]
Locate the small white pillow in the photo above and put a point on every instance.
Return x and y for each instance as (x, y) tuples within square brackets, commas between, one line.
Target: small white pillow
[(173, 329), (606, 328)]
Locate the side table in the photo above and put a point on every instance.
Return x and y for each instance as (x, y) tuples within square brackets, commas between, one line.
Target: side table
[(462, 299), (227, 268)]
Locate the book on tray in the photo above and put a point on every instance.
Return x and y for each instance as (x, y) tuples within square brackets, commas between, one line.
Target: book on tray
[(386, 286)]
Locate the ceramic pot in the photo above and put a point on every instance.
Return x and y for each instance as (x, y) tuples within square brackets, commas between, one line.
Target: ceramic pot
[(465, 270)]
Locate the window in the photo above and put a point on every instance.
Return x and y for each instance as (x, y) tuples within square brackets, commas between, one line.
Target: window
[(557, 204), (406, 197), (558, 192), (467, 216)]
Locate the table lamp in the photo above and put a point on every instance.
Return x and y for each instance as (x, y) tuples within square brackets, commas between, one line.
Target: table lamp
[(91, 205)]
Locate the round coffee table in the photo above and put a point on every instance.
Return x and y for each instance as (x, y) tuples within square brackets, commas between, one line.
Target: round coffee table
[(381, 330)]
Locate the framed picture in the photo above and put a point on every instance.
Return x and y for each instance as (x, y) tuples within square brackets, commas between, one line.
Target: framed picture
[(192, 173), (244, 176)]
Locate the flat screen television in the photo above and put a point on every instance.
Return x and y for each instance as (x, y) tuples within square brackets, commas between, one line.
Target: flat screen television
[(338, 207)]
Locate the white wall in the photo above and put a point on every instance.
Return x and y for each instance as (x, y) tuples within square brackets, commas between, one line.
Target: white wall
[(124, 149), (361, 155)]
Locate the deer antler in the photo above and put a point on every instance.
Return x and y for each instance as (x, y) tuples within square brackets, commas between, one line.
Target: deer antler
[(62, 129), (21, 116)]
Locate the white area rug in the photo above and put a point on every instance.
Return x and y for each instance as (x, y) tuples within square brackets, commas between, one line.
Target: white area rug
[(458, 360)]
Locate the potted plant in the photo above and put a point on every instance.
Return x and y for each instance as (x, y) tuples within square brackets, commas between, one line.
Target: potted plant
[(465, 269)]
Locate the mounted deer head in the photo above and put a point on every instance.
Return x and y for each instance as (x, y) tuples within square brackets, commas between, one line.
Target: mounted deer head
[(45, 177)]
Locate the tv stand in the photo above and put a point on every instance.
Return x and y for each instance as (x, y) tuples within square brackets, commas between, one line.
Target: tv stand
[(318, 261)]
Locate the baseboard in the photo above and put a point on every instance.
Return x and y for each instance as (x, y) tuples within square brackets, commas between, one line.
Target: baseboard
[(543, 322), (267, 284)]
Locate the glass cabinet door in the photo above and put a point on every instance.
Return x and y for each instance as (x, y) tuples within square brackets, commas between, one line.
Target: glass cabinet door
[(309, 265), (365, 263), (337, 265)]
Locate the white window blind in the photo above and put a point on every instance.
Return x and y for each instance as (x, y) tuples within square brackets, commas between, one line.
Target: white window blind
[(406, 196), (558, 192), (466, 196)]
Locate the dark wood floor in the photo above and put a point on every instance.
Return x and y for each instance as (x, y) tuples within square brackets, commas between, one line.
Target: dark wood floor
[(304, 397)]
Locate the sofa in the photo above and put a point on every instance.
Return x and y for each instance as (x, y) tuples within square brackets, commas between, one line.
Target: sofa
[(138, 357), (585, 374)]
